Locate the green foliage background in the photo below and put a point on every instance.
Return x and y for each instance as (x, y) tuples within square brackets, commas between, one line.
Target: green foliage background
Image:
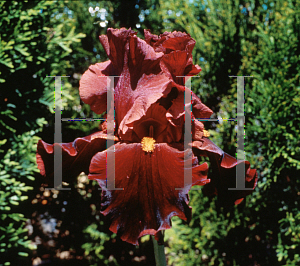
[(254, 38)]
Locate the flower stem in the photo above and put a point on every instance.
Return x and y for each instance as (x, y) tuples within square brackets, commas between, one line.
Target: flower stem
[(159, 251)]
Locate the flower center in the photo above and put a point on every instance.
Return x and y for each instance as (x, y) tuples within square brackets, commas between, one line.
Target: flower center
[(206, 133), (148, 143)]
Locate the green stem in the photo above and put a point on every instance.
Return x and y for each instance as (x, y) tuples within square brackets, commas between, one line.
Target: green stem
[(159, 251)]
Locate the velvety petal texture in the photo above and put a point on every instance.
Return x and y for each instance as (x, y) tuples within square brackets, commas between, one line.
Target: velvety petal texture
[(76, 156), (138, 102), (224, 173), (150, 197), (155, 117)]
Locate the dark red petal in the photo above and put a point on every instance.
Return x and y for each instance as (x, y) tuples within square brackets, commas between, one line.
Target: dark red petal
[(164, 42), (197, 129), (93, 86), (150, 38), (167, 118), (141, 83), (131, 105), (124, 49), (167, 124), (155, 117), (175, 34), (174, 64), (178, 64), (175, 115), (176, 111), (115, 46), (185, 43), (191, 69), (224, 173), (199, 109), (76, 156), (149, 198), (142, 59), (105, 43)]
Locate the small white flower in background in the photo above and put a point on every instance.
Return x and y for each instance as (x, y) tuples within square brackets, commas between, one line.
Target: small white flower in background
[(102, 13)]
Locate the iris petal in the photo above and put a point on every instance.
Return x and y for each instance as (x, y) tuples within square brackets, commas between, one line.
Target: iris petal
[(174, 64), (155, 117), (199, 109), (224, 173), (93, 85), (149, 198), (170, 41), (76, 156), (115, 47), (148, 73), (132, 105)]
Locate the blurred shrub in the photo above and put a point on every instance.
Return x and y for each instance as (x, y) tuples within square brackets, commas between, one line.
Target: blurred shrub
[(17, 169), (33, 46)]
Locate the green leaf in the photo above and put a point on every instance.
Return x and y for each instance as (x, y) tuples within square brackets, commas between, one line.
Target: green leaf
[(7, 62), (23, 254)]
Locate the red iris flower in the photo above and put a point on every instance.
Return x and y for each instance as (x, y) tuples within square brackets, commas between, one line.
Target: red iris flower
[(149, 125)]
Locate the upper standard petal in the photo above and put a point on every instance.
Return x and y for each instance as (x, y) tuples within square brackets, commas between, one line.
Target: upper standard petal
[(132, 105), (133, 60), (93, 85), (115, 46)]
